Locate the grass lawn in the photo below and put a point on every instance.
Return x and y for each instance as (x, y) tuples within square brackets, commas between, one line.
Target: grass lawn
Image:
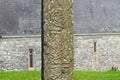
[(78, 75), (20, 75), (93, 75)]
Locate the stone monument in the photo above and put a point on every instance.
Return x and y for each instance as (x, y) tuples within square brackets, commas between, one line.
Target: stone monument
[(58, 40)]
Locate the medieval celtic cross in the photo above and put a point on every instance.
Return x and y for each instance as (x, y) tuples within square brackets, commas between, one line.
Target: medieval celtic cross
[(57, 40)]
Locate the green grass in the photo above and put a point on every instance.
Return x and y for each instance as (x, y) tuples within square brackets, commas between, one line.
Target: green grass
[(20, 75), (97, 75), (78, 75)]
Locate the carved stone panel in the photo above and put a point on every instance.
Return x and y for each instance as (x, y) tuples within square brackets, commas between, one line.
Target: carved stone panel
[(58, 40)]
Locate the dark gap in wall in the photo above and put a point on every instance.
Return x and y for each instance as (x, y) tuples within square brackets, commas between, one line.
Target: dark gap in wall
[(31, 58), (95, 46)]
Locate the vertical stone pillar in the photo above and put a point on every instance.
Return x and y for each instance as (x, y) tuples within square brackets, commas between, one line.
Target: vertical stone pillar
[(58, 39)]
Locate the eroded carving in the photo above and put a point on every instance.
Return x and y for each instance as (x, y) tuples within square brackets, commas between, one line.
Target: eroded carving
[(58, 40)]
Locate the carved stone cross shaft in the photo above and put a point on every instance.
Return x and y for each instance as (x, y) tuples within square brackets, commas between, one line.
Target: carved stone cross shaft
[(58, 40)]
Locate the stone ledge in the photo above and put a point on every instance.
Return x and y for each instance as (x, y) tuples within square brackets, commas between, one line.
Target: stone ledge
[(97, 34), (20, 36)]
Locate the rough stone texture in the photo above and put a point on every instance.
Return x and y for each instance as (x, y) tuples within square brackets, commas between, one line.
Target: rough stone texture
[(14, 52), (58, 40), (106, 56)]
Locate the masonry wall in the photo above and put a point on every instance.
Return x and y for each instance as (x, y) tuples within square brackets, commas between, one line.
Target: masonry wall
[(14, 52), (92, 52), (102, 56)]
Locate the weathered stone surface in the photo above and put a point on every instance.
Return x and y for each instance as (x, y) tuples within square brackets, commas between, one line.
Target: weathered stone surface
[(58, 39), (14, 52), (106, 55)]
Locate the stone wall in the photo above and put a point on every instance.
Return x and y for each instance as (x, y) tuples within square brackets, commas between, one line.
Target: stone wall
[(92, 52), (14, 52), (97, 51)]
